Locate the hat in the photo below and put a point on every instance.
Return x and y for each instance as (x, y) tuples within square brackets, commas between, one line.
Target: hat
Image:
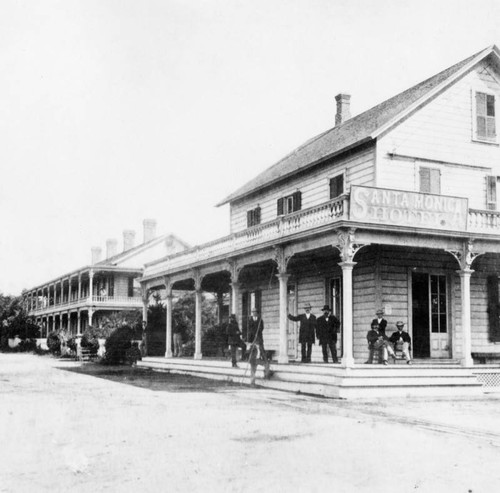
[(255, 310), (325, 308), (307, 305), (400, 324), (375, 323), (380, 311)]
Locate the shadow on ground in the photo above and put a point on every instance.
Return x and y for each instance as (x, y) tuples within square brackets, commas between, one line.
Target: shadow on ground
[(157, 381)]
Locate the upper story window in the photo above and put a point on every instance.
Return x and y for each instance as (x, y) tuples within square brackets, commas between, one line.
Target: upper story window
[(253, 217), (290, 203), (491, 192), (430, 180), (336, 186), (484, 118)]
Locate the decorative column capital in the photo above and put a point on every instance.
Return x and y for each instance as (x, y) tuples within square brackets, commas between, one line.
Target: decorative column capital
[(234, 269), (282, 257), (346, 244), (283, 276), (198, 278), (466, 255), (167, 281)]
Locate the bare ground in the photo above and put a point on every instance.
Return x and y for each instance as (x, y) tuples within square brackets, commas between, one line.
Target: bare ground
[(65, 426)]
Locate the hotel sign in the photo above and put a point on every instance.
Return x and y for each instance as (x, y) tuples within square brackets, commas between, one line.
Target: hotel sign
[(418, 210)]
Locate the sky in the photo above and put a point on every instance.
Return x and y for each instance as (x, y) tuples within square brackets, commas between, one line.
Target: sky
[(112, 111)]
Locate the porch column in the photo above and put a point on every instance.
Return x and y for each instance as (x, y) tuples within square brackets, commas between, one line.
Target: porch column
[(235, 294), (347, 336), (91, 314), (91, 285), (198, 298), (465, 274), (168, 335), (145, 303), (69, 289), (283, 285), (79, 286), (78, 323)]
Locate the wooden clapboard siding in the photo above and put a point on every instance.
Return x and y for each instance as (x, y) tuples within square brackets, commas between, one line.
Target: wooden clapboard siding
[(315, 188), (442, 131), (121, 285)]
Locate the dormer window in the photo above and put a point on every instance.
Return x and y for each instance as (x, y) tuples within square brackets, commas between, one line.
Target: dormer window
[(290, 203), (484, 118), (253, 217)]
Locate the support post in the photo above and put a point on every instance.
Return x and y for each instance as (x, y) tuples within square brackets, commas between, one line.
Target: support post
[(168, 314), (198, 298), (465, 275), (347, 336), (78, 323), (283, 320)]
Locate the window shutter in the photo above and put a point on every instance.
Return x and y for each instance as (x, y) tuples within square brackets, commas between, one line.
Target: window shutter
[(336, 186), (425, 180), (491, 192), (244, 315), (493, 309), (435, 181), (280, 206), (249, 219), (485, 116), (256, 216), (297, 201)]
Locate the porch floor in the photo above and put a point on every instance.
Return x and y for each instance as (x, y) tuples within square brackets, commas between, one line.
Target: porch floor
[(436, 378)]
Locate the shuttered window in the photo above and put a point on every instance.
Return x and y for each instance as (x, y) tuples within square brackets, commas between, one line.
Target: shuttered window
[(289, 204), (485, 116), (491, 192), (430, 180), (493, 309), (336, 186), (253, 217)]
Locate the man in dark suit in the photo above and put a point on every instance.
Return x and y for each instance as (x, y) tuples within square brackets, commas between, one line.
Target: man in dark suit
[(381, 321), (327, 327), (256, 339), (307, 331)]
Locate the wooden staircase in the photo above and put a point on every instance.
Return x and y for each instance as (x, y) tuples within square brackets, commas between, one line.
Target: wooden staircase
[(329, 380)]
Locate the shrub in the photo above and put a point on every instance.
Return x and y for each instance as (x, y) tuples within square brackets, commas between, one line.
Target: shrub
[(27, 345), (117, 345), (71, 344), (90, 341), (54, 342)]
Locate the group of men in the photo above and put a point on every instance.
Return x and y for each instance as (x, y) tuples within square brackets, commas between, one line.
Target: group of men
[(325, 328), (379, 342)]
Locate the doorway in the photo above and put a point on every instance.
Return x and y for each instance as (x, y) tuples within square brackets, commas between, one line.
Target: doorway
[(430, 337), (291, 330)]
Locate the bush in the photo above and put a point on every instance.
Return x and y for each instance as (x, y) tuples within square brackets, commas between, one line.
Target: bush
[(71, 344), (214, 341), (27, 345), (117, 345), (90, 341), (54, 343)]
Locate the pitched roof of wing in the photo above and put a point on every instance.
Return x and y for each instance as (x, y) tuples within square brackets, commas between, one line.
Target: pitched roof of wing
[(356, 130)]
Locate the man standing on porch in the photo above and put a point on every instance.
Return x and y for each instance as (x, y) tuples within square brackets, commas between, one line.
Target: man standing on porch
[(326, 331), (307, 331)]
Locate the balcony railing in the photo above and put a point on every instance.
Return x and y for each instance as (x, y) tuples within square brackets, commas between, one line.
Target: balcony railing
[(132, 301), (480, 221), (294, 223)]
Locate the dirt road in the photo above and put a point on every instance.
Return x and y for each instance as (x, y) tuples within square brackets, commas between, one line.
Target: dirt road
[(64, 427)]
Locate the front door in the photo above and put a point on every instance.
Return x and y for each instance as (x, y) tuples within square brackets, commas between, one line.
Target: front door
[(292, 326), (430, 316)]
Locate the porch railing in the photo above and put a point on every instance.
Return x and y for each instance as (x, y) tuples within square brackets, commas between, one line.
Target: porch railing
[(122, 300), (297, 222)]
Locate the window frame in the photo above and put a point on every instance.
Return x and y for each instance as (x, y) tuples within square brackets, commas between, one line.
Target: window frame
[(419, 179), (254, 216), (475, 136), (291, 201)]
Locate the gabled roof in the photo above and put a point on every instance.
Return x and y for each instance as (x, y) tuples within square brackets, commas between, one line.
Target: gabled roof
[(122, 256), (359, 129)]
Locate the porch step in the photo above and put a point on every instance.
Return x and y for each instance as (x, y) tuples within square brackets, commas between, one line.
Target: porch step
[(333, 380)]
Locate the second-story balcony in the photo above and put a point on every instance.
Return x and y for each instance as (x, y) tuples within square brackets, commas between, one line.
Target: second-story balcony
[(97, 302), (366, 206)]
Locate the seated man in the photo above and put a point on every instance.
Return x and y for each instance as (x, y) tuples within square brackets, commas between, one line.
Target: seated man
[(402, 338), (378, 341)]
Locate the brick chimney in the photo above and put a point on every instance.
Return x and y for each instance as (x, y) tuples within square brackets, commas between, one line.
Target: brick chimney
[(128, 239), (96, 254), (149, 229), (111, 247), (343, 108)]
